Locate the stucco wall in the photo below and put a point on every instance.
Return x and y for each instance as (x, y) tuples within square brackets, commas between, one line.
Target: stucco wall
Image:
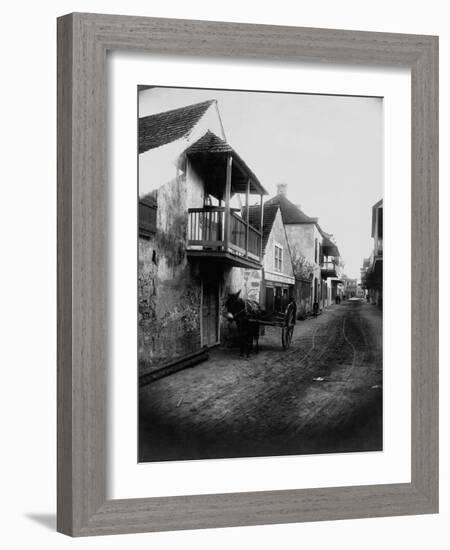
[(301, 239), (169, 287), (194, 187)]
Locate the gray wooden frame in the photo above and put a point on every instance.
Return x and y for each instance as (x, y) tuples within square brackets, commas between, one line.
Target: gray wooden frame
[(83, 40)]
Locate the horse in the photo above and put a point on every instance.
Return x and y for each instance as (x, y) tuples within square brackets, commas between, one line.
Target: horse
[(245, 313)]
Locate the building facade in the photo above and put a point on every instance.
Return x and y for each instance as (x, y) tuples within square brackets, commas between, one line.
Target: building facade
[(276, 280), (372, 270), (350, 289), (315, 257), (194, 245)]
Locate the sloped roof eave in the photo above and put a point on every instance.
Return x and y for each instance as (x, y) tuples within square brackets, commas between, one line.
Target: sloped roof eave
[(211, 144)]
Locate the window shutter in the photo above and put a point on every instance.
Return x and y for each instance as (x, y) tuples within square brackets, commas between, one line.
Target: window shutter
[(147, 218)]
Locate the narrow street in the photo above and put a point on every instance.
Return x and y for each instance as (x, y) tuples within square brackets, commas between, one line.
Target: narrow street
[(324, 394)]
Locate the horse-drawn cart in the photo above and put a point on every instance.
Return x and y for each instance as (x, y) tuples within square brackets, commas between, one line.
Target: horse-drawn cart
[(249, 318), (285, 321)]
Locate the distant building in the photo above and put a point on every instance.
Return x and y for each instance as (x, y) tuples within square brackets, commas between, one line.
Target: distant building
[(331, 270), (315, 256), (350, 287), (277, 281), (372, 270)]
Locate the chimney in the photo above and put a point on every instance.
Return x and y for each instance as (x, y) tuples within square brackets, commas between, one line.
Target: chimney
[(282, 189)]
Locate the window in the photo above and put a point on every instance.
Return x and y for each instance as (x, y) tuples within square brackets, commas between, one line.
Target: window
[(278, 258)]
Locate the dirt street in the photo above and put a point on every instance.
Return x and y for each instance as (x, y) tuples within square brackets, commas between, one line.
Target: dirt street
[(324, 394)]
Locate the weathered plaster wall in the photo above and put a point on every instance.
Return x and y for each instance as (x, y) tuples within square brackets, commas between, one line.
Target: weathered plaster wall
[(147, 283), (303, 296), (169, 288), (301, 239), (245, 280)]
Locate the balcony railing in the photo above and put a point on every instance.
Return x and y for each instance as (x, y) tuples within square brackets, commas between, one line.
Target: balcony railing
[(329, 268), (378, 247), (206, 231)]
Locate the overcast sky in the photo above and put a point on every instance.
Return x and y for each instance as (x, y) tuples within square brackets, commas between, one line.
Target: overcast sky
[(328, 149)]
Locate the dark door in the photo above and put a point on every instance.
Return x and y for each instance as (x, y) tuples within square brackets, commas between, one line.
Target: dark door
[(285, 300), (278, 299), (210, 313), (269, 299)]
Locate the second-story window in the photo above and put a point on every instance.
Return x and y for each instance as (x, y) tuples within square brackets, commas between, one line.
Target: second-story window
[(278, 258), (316, 250)]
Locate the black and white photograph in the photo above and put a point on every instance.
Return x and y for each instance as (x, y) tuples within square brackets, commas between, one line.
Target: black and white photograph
[(260, 273)]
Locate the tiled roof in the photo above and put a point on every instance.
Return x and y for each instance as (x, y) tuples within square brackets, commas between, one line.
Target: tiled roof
[(270, 213), (162, 128), (329, 247), (211, 144), (291, 213), (326, 239)]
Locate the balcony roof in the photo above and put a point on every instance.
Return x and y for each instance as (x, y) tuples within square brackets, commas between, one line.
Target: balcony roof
[(209, 154), (328, 246)]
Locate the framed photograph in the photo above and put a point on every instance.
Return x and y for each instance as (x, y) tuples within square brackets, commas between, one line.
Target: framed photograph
[(247, 274)]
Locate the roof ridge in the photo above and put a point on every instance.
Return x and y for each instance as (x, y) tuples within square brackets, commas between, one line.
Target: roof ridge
[(291, 213), (208, 136), (211, 143), (212, 134)]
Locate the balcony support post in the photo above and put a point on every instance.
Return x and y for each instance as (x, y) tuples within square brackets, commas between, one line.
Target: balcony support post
[(247, 213), (261, 221), (227, 202)]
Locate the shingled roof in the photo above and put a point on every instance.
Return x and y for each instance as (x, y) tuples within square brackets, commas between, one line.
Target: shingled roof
[(162, 128), (270, 213), (291, 213), (210, 144), (329, 247)]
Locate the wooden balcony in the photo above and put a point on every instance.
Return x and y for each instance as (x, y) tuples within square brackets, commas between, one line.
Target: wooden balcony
[(378, 248), (220, 232), (214, 234), (328, 269)]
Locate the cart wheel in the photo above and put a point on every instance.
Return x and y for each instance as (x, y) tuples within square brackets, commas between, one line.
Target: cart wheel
[(286, 336)]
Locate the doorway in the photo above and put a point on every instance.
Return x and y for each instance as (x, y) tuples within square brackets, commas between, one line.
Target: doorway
[(210, 313)]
